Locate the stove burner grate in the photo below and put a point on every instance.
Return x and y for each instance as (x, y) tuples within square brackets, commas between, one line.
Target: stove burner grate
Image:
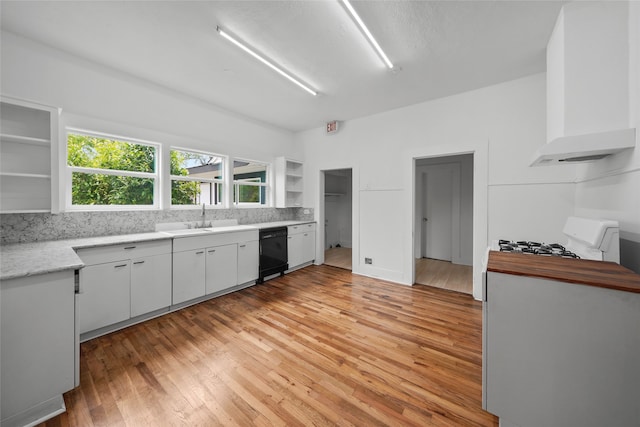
[(536, 248)]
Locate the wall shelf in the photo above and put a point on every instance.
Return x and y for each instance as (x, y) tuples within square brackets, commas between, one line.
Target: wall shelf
[(28, 156), (25, 139), (289, 183)]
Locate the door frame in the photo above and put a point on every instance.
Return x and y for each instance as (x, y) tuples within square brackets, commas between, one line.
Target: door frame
[(480, 150), (355, 209)]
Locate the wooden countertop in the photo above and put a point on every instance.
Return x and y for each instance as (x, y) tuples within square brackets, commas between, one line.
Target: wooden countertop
[(602, 274)]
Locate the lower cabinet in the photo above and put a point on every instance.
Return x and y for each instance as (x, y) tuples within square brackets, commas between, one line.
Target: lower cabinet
[(150, 284), (38, 350), (221, 273), (123, 281), (189, 268), (248, 261), (211, 263), (104, 295), (301, 244)]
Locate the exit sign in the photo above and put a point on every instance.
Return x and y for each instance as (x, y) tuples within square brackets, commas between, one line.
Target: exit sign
[(332, 127)]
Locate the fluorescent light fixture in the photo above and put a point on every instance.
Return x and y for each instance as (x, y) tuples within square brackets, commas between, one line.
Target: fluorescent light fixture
[(265, 61), (367, 33)]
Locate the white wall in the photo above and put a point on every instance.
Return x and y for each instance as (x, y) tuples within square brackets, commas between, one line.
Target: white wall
[(502, 125), (610, 188), (94, 95)]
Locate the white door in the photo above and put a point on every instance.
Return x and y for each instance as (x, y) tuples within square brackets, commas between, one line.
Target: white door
[(188, 275), (222, 268), (150, 284), (248, 261), (437, 212), (104, 295)]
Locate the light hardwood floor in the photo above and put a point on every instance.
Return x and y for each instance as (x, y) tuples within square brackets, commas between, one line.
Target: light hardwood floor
[(319, 346), (338, 257), (430, 272), (444, 275)]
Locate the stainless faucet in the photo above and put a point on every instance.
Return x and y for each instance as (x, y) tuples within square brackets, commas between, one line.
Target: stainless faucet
[(203, 216)]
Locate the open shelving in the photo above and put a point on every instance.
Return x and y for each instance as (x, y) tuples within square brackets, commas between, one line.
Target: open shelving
[(289, 183), (28, 143)]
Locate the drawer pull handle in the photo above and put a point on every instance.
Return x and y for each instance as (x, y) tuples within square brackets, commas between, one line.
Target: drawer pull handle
[(138, 262), (129, 247), (290, 237), (243, 246), (199, 252), (212, 251), (306, 234), (120, 266)]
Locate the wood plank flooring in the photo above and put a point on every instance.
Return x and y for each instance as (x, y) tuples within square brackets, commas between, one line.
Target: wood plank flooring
[(338, 257), (319, 346), (445, 275)]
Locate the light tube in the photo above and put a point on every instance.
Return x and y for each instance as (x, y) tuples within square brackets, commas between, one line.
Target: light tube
[(367, 33), (265, 61)]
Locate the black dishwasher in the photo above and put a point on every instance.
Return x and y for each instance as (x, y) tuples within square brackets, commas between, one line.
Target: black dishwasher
[(273, 252)]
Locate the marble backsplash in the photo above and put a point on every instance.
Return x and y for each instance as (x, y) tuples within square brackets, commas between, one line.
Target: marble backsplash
[(32, 227)]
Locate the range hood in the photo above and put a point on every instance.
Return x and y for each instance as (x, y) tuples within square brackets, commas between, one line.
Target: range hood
[(589, 84), (585, 148)]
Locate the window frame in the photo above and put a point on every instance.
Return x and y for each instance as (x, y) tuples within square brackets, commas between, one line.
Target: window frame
[(235, 183), (186, 178), (69, 170)]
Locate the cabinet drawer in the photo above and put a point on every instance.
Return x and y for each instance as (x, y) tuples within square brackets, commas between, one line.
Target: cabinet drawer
[(214, 239), (302, 228), (111, 253)]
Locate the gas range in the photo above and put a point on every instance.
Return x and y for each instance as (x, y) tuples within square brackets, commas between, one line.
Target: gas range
[(587, 238), (535, 248)]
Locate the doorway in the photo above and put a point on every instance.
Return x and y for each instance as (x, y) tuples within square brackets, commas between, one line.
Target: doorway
[(444, 222), (338, 214)]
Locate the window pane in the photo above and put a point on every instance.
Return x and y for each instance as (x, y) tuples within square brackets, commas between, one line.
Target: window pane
[(102, 153), (98, 189), (244, 170), (185, 163), (249, 194), (195, 193)]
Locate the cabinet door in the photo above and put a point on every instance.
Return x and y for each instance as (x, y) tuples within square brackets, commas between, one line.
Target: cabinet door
[(308, 246), (150, 284), (104, 295), (188, 275), (222, 268), (248, 260), (294, 250), (37, 349)]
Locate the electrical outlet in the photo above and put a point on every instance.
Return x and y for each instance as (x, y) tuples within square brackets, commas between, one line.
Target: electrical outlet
[(368, 261)]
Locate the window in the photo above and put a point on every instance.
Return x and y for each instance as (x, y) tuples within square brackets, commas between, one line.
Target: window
[(196, 178), (105, 171), (249, 183)]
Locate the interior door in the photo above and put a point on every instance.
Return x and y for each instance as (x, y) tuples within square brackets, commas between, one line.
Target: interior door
[(437, 212)]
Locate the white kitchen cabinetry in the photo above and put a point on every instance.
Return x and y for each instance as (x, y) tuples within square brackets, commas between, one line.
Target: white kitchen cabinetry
[(150, 284), (560, 354), (104, 295), (301, 244), (213, 262), (38, 346), (123, 281), (220, 271), (189, 269), (248, 261), (289, 183), (28, 157)]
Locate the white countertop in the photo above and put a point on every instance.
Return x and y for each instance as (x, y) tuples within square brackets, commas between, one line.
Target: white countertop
[(30, 259)]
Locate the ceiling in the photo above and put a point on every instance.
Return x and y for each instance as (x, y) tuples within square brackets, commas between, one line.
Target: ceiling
[(441, 48)]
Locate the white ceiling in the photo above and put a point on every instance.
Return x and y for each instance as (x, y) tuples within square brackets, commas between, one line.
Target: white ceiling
[(442, 48)]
